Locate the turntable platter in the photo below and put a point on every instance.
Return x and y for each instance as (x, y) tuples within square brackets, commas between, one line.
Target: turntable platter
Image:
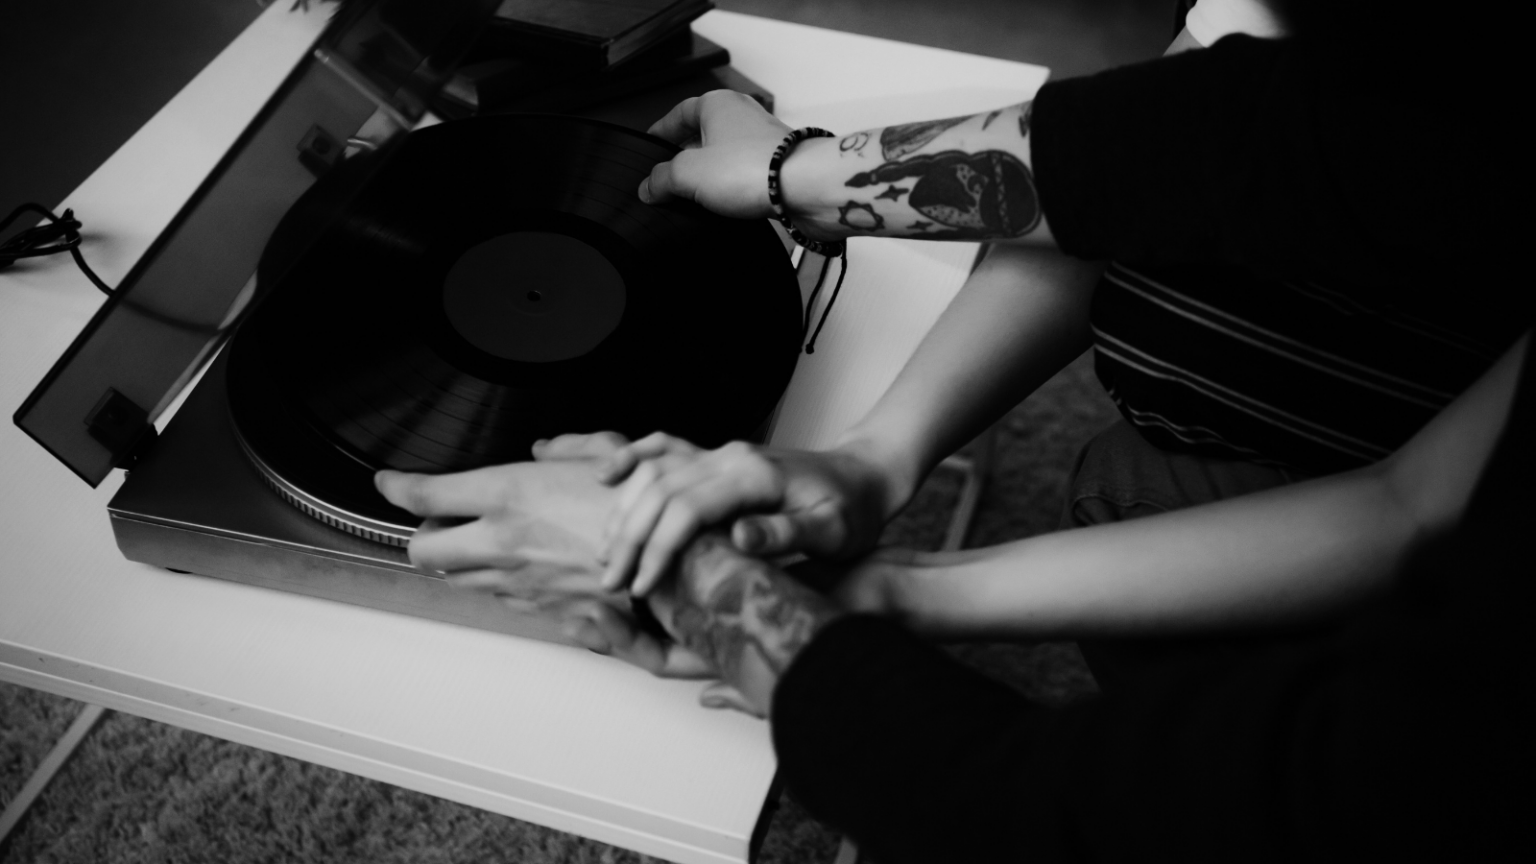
[(498, 282)]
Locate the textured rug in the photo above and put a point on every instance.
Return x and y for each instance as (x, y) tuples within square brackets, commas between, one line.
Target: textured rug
[(140, 791)]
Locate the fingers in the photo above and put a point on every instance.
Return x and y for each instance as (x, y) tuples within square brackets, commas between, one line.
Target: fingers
[(682, 663), (542, 549), (622, 461), (584, 631), (597, 445), (671, 508), (521, 584), (681, 517), (774, 534), (819, 530), (445, 548), (468, 493), (723, 695), (627, 642)]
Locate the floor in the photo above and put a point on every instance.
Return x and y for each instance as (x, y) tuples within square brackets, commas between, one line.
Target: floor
[(141, 791)]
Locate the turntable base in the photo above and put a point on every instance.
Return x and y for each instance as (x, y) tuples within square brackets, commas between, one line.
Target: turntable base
[(194, 503)]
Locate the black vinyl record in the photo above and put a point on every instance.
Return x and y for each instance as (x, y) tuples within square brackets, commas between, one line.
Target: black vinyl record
[(498, 281)]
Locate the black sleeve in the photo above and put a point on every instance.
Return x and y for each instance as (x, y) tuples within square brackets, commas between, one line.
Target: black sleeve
[(1369, 149), (1404, 735)]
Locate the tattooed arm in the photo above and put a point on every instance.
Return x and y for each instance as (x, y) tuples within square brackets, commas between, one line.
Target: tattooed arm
[(960, 178), (743, 616)]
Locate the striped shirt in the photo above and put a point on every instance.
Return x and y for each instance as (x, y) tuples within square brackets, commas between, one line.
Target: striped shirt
[(1224, 362)]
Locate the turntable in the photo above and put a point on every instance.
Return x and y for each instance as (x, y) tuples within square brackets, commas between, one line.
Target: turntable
[(432, 301)]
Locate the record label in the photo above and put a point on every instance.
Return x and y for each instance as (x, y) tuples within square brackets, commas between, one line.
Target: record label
[(534, 297)]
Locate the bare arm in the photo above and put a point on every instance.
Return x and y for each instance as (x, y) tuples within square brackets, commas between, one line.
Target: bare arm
[(1292, 553), (1019, 318)]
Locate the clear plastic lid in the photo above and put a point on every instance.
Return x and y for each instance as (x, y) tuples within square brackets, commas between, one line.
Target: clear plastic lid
[(364, 85)]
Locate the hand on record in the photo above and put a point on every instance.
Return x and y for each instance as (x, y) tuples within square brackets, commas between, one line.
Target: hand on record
[(728, 139), (532, 528), (825, 504)]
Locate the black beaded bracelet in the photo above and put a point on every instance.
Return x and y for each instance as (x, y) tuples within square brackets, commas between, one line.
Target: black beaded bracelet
[(776, 192)]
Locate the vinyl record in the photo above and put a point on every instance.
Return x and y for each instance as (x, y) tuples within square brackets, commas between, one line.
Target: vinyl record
[(498, 282)]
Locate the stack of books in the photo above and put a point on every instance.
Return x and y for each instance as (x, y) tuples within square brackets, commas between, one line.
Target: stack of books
[(562, 56)]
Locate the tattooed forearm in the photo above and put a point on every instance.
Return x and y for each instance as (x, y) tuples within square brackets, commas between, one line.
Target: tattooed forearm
[(898, 141), (959, 178), (854, 142), (986, 194), (730, 609), (860, 216)]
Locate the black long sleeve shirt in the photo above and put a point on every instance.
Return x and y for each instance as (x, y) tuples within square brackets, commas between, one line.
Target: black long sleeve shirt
[(1352, 150)]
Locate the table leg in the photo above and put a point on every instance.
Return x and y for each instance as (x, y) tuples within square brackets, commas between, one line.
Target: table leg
[(50, 766), (976, 467)]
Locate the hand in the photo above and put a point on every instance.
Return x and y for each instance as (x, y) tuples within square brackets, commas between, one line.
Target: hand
[(601, 624), (538, 523), (875, 584), (828, 504), (728, 139), (533, 543)]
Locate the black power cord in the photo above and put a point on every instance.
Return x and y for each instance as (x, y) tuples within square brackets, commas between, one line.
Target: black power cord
[(58, 234)]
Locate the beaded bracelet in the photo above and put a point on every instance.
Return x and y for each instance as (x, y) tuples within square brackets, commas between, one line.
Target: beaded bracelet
[(776, 192)]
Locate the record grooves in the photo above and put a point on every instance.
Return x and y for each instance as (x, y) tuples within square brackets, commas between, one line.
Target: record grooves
[(495, 283)]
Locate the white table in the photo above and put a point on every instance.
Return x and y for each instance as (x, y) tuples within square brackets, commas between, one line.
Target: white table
[(539, 732)]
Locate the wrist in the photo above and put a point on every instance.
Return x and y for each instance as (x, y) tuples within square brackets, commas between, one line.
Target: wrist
[(890, 469), (889, 584), (808, 190)]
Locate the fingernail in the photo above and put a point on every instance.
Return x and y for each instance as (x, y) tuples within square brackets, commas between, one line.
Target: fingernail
[(749, 537), (645, 191)]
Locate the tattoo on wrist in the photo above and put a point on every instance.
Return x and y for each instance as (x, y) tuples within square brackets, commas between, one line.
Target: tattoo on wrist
[(729, 604)]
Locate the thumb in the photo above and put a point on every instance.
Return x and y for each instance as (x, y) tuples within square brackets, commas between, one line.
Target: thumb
[(662, 184), (782, 533)]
